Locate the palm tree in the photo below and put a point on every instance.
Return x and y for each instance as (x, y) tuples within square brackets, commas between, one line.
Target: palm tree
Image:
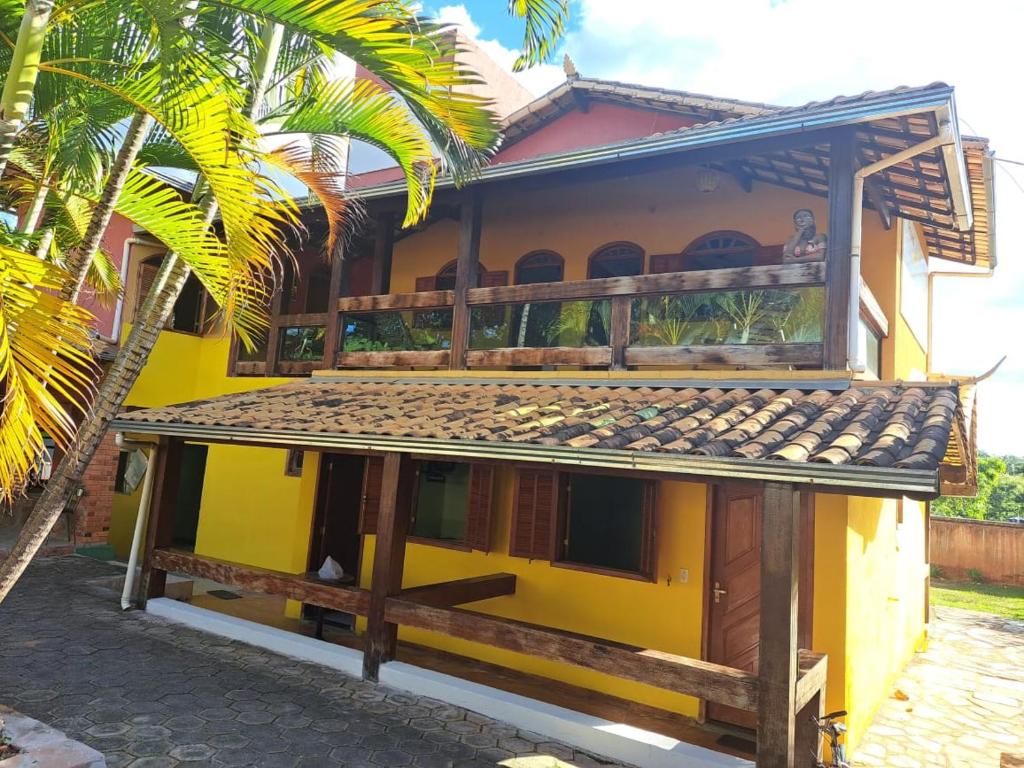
[(408, 53)]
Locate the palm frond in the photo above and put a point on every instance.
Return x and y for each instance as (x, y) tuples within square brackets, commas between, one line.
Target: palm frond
[(45, 364), (545, 22), (363, 110)]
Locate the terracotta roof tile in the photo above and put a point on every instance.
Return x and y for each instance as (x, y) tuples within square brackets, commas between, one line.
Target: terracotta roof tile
[(904, 426)]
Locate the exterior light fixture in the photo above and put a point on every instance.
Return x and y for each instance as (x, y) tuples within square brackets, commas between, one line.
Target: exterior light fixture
[(707, 179)]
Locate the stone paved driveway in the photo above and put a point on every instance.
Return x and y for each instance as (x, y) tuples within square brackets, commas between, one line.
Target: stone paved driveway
[(150, 694), (965, 699)]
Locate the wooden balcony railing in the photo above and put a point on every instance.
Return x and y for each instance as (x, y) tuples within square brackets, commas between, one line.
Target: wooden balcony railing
[(748, 316)]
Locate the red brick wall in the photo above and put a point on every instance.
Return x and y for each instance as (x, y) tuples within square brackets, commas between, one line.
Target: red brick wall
[(92, 517)]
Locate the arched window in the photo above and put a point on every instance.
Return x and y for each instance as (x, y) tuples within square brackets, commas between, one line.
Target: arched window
[(540, 267), (616, 260), (190, 310), (530, 323), (444, 280), (717, 250)]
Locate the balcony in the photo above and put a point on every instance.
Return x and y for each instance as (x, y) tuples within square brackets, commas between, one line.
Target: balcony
[(760, 316)]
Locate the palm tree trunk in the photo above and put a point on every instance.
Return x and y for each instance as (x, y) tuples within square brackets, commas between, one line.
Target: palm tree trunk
[(80, 258), (124, 371), (21, 77), (35, 209)]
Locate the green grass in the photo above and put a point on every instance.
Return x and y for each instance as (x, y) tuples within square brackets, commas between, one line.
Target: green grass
[(987, 598)]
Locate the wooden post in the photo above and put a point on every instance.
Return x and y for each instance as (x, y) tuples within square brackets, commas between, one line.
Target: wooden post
[(333, 331), (383, 246), (778, 652), (618, 331), (274, 331), (388, 559), (466, 275), (808, 738), (840, 248), (160, 519)]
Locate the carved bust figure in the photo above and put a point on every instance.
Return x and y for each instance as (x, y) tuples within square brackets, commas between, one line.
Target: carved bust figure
[(806, 243)]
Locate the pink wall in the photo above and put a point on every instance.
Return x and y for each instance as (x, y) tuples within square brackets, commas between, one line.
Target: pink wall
[(120, 229), (994, 549), (601, 124)]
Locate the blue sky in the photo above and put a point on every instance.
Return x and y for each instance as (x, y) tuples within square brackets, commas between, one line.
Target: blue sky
[(794, 51)]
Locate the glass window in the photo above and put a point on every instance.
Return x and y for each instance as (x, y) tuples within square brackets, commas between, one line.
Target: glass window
[(619, 260), (870, 349), (442, 497), (120, 485), (719, 250), (609, 523)]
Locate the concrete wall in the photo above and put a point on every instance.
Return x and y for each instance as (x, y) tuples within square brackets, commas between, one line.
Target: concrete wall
[(994, 549)]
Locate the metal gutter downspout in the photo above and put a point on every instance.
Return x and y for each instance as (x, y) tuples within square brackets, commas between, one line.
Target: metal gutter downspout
[(140, 518), (946, 135), (115, 332)]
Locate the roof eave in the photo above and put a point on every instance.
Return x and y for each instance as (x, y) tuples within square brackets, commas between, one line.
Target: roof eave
[(828, 477), (956, 166), (932, 99)]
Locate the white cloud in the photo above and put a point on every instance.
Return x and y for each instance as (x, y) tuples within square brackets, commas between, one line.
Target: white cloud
[(537, 80), (794, 51)]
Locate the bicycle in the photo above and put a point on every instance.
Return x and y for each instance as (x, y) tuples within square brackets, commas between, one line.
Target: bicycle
[(832, 733)]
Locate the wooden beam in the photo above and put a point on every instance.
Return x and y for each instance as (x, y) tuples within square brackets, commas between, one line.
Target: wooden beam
[(437, 358), (732, 278), (753, 355), (840, 249), (618, 333), (738, 172), (878, 202), (813, 672), (808, 737), (872, 311), (332, 333), (504, 356), (274, 331), (393, 519), (466, 275), (265, 581), (160, 518), (663, 670), (448, 593), (300, 319), (383, 245), (421, 300), (250, 368), (778, 659)]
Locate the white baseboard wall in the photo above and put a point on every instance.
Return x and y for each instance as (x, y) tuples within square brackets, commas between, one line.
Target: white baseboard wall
[(635, 746)]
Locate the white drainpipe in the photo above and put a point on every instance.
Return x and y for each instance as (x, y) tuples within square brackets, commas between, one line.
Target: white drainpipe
[(140, 518), (945, 137), (115, 332)]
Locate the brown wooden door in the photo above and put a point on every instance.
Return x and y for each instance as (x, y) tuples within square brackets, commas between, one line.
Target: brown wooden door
[(735, 584), (336, 523), (734, 617)]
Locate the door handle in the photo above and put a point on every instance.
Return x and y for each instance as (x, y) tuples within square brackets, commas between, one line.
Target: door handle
[(718, 592)]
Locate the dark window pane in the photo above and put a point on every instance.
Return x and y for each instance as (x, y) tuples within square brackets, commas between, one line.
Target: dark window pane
[(441, 501), (616, 261), (302, 342), (605, 525)]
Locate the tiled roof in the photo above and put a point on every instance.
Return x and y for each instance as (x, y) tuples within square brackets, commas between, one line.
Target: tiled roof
[(903, 427)]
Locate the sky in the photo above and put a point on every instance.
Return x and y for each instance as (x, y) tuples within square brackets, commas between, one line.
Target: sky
[(790, 52)]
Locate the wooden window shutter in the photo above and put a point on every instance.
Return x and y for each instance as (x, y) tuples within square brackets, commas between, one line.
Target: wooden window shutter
[(427, 283), (493, 279), (534, 514), (147, 275), (666, 262), (649, 553), (369, 507), (478, 514)]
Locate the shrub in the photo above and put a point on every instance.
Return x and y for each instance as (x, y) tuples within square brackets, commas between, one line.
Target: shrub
[(975, 575), (936, 572)]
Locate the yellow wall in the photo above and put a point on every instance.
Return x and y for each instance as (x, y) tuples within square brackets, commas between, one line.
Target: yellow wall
[(885, 609), (653, 615), (661, 212)]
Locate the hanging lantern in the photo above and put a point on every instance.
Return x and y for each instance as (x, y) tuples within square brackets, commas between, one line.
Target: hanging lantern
[(707, 179)]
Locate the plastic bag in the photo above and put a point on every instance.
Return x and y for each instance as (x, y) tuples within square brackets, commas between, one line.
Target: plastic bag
[(331, 570)]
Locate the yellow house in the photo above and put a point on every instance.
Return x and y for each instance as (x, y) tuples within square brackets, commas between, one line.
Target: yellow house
[(618, 429)]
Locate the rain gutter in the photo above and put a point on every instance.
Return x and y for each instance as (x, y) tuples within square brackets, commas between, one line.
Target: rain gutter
[(827, 476), (732, 131)]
